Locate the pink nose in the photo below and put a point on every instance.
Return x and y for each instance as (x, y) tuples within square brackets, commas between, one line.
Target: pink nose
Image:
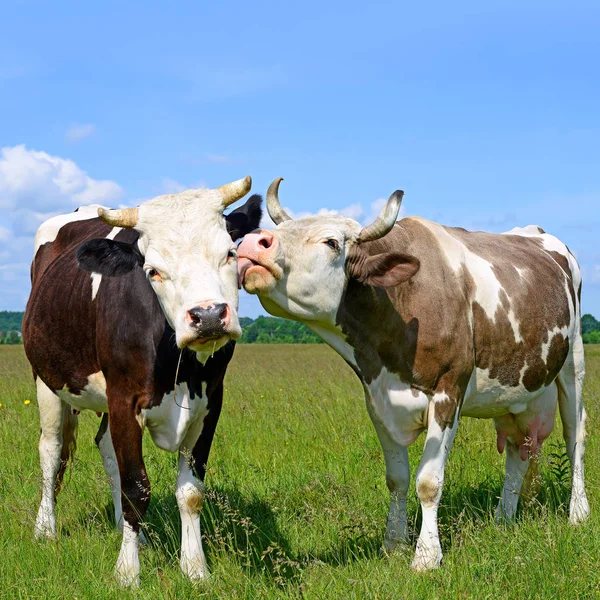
[(255, 244)]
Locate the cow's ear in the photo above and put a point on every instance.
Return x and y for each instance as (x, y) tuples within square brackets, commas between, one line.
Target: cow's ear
[(109, 257), (244, 219), (382, 270)]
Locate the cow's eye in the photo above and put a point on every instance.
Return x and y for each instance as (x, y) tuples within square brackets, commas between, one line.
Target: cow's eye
[(153, 275), (231, 255), (333, 244)]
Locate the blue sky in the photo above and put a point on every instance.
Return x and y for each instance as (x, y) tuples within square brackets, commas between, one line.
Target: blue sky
[(485, 113)]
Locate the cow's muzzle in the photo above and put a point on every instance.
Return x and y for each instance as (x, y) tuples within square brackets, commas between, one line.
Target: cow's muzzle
[(209, 320)]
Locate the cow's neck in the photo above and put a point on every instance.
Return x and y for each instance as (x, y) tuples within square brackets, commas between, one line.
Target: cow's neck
[(375, 331)]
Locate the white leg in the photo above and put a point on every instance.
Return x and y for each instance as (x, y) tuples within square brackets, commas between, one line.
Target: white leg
[(397, 477), (190, 496), (515, 473), (50, 446), (574, 417), (127, 569), (430, 481), (111, 468)]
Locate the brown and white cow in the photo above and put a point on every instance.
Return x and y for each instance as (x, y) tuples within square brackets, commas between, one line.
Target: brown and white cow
[(438, 323), (134, 315)]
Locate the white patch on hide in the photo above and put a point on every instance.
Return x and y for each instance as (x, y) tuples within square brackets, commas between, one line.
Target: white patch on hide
[(401, 412), (48, 230), (97, 277), (170, 422)]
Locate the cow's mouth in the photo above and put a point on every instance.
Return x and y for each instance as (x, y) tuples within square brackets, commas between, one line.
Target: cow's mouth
[(247, 267), (207, 342)]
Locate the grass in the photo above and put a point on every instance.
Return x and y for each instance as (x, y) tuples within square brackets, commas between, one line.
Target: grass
[(297, 501)]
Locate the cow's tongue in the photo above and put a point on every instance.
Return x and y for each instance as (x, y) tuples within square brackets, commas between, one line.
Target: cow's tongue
[(243, 265)]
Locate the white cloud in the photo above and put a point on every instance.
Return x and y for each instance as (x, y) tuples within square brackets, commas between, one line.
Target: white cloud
[(352, 211), (77, 133), (37, 181), (34, 186)]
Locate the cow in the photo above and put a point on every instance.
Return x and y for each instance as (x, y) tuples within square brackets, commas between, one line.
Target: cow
[(437, 322), (133, 314)]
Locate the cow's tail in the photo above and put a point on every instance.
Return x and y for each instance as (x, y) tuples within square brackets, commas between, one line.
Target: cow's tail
[(69, 443)]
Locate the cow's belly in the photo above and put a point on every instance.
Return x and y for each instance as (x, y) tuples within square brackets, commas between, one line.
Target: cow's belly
[(177, 419), (399, 410), (92, 396), (487, 398)]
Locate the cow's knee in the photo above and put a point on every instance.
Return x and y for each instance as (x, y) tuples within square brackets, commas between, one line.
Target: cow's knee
[(429, 488), (190, 497)]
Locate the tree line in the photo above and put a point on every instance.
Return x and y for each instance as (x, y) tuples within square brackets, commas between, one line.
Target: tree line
[(263, 330)]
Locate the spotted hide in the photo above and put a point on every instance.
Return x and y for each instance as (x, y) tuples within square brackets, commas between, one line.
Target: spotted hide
[(438, 323), (98, 338)]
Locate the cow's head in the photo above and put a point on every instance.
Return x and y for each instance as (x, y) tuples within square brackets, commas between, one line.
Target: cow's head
[(186, 248), (300, 269)]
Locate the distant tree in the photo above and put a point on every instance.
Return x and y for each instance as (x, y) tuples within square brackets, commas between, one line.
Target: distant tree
[(591, 338), (272, 330), (11, 320), (589, 324), (11, 337)]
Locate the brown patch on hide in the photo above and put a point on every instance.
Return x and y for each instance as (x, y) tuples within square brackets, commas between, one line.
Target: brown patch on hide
[(538, 302), (444, 412)]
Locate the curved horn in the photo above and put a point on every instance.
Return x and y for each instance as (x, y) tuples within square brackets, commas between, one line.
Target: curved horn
[(123, 217), (385, 221), (232, 192), (274, 208)]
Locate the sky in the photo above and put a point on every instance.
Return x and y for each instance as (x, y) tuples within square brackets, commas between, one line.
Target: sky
[(485, 113)]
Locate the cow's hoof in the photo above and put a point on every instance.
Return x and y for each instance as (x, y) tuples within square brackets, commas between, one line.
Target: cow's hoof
[(196, 570), (127, 570), (427, 560), (579, 511), (44, 530), (503, 517), (395, 546), (127, 576)]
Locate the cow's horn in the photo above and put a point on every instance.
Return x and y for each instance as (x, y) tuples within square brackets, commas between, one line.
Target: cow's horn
[(274, 208), (385, 221), (232, 192), (123, 217)]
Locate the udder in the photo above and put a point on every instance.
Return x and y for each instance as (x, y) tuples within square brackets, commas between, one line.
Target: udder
[(528, 429)]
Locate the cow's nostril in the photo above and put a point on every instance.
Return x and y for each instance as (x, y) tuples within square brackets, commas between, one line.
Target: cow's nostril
[(265, 242), (196, 315)]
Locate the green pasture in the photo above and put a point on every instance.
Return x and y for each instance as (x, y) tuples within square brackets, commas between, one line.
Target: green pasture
[(296, 500)]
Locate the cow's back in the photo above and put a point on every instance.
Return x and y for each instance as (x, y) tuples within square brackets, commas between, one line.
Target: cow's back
[(503, 303), (59, 326), (523, 298)]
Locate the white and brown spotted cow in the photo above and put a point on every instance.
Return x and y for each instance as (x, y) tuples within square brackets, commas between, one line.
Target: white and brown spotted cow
[(134, 315), (437, 322)]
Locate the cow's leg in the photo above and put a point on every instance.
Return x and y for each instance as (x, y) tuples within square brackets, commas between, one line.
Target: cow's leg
[(53, 413), (126, 435), (430, 481), (397, 478), (573, 417), (516, 468), (190, 487), (111, 467)]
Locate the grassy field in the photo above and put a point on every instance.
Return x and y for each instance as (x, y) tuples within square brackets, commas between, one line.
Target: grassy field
[(297, 501)]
